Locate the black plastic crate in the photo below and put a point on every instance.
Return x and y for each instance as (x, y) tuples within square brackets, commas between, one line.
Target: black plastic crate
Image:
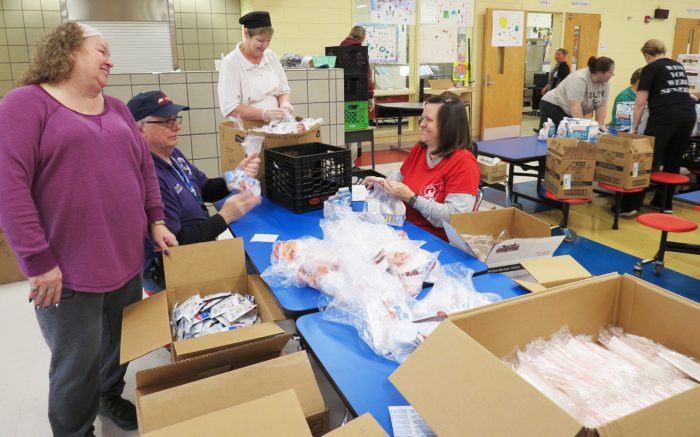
[(301, 177), (358, 176), (356, 87), (352, 59)]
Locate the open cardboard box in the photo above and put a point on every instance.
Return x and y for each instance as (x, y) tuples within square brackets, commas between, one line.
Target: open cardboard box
[(441, 86), (231, 152), (530, 237), (493, 173), (275, 415), (545, 273), (364, 425), (570, 168), (9, 269), (456, 380), (161, 406), (624, 161), (202, 268)]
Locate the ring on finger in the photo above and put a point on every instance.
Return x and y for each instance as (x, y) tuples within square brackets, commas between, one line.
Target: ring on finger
[(51, 290), (33, 289), (41, 293)]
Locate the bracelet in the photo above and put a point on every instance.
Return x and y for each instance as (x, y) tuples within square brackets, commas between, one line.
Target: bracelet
[(156, 223), (412, 200)]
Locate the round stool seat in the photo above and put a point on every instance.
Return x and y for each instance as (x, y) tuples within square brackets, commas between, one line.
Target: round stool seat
[(550, 195), (667, 222), (663, 177), (696, 207), (618, 189)]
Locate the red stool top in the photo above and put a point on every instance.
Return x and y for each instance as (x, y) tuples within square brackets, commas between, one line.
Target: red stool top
[(667, 222), (696, 207), (550, 195), (669, 178), (618, 189)]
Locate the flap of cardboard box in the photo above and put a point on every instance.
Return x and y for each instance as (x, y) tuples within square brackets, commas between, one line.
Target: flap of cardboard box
[(445, 381), (441, 83), (277, 414), (365, 426), (196, 346), (145, 327), (202, 366), (268, 308), (204, 262), (557, 270), (196, 398), (571, 148)]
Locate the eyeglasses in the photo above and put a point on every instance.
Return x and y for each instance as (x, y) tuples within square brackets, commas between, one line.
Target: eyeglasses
[(168, 122)]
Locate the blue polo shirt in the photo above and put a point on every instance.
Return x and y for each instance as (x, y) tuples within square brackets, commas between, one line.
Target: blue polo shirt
[(182, 207)]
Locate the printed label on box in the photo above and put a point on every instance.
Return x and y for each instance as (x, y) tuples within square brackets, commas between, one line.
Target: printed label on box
[(566, 181)]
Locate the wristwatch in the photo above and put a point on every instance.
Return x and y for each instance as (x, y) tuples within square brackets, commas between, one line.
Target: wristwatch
[(152, 225), (412, 200)]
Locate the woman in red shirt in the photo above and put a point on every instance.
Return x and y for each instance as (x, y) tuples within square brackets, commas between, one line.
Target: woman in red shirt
[(440, 175)]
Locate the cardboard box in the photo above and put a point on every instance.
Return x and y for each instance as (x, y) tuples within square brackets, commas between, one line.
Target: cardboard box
[(570, 168), (493, 174), (230, 137), (9, 269), (202, 268), (545, 273), (364, 425), (624, 161), (441, 86), (458, 383), (159, 407), (275, 415), (530, 237)]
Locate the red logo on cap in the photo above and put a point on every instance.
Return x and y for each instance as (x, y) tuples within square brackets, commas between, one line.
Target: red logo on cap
[(163, 100)]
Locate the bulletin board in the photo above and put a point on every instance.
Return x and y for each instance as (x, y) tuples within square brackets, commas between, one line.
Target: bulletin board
[(382, 42), (448, 12), (438, 44), (393, 11)]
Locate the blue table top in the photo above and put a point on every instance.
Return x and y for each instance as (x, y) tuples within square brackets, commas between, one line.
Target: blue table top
[(693, 197), (269, 218), (515, 149), (360, 375)]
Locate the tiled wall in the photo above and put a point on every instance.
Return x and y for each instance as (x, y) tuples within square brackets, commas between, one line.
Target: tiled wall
[(315, 93), (22, 22), (205, 30)]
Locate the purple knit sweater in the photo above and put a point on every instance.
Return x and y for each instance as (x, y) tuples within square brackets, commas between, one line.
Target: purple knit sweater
[(76, 190)]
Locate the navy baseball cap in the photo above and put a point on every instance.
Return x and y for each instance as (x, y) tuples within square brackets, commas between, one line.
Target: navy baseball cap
[(153, 103)]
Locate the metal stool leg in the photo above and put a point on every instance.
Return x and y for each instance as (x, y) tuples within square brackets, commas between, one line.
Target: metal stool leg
[(658, 259)]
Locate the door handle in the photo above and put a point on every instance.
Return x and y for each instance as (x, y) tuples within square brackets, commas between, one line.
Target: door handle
[(488, 80)]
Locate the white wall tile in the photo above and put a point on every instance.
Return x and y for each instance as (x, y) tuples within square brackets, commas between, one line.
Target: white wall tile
[(119, 79), (318, 91), (296, 74), (299, 91), (202, 121), (320, 110), (201, 95), (122, 92), (144, 79), (204, 146)]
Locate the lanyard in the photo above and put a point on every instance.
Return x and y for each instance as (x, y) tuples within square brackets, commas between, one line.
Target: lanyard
[(183, 176)]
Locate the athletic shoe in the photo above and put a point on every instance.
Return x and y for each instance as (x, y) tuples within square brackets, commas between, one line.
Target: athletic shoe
[(623, 213), (118, 410)]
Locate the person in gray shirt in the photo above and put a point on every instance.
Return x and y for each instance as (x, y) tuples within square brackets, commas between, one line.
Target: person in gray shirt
[(581, 93)]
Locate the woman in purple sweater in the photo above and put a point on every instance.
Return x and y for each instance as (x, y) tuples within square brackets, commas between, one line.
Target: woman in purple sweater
[(78, 190)]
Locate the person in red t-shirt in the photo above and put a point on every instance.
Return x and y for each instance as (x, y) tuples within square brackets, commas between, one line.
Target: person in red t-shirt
[(440, 175)]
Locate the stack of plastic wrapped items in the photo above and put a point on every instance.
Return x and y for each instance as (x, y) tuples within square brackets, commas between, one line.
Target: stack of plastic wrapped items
[(370, 275), (289, 125), (579, 128), (597, 382), (219, 312)]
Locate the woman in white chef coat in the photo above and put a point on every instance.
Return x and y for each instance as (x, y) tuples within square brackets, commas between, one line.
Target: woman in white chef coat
[(252, 83)]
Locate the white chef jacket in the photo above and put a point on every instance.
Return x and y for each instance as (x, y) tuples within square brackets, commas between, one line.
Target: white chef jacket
[(257, 85)]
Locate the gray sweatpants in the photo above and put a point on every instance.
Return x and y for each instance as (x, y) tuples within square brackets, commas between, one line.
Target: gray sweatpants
[(84, 335)]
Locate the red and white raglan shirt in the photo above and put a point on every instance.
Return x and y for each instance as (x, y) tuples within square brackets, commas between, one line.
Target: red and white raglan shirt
[(444, 186)]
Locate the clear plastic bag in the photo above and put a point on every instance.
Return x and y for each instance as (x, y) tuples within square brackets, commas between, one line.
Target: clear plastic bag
[(408, 262), (252, 144), (338, 204), (289, 125), (548, 130), (481, 245), (380, 203), (237, 180), (623, 116)]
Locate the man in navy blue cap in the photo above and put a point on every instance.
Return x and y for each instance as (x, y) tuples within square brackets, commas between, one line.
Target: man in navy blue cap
[(183, 187)]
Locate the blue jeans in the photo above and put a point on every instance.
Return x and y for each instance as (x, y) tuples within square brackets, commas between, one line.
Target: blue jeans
[(84, 336)]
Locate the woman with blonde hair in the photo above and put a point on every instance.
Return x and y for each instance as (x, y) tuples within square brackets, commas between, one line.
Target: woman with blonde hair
[(252, 83), (79, 191), (663, 84)]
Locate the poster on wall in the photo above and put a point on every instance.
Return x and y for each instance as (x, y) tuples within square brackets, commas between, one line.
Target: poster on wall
[(508, 28), (393, 11), (438, 44), (460, 71), (691, 63), (447, 12), (382, 42)]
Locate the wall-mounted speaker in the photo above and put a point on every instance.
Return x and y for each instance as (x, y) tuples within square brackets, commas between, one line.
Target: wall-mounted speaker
[(661, 14)]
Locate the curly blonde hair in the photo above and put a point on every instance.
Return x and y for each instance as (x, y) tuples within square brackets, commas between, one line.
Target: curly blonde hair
[(53, 61)]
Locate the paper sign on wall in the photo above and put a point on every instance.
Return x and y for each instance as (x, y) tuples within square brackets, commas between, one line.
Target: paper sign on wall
[(508, 28), (438, 44), (448, 12), (459, 71), (382, 43), (393, 11)]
